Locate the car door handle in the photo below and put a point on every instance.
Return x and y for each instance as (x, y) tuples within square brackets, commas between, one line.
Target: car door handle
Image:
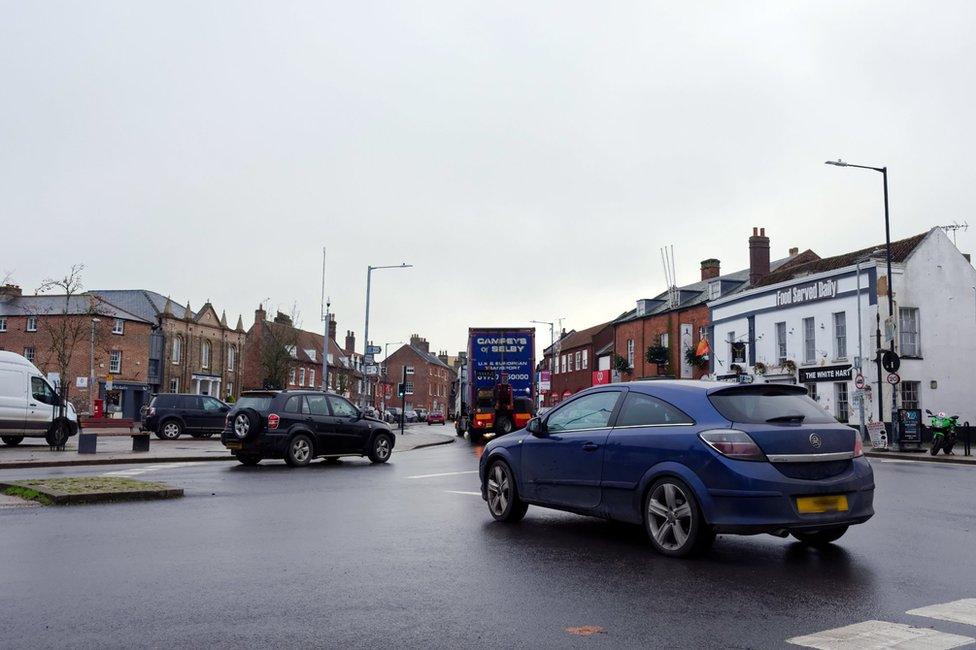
[(590, 446)]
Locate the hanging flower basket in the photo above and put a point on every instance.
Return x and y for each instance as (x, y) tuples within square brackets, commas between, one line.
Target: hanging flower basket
[(696, 360)]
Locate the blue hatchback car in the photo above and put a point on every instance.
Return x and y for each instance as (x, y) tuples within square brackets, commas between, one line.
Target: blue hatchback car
[(688, 460)]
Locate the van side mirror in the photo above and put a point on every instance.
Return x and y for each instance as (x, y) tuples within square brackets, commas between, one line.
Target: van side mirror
[(536, 427)]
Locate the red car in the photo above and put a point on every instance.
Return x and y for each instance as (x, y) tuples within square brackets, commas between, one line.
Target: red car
[(436, 417)]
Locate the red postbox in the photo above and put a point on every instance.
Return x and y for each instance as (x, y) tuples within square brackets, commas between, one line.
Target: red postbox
[(99, 409)]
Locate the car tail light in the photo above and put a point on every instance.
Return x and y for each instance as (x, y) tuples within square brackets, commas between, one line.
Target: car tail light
[(858, 445), (152, 411), (733, 444), (273, 420)]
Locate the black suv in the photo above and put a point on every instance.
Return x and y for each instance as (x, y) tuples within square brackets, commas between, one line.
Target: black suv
[(171, 414), (299, 425)]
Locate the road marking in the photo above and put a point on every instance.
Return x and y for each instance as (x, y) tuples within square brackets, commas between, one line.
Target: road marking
[(878, 635), (958, 611), (136, 471), (474, 494), (473, 471)]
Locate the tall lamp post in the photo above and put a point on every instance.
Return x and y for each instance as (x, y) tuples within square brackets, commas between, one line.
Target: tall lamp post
[(369, 275), (91, 368), (891, 301), (553, 352), (327, 318)]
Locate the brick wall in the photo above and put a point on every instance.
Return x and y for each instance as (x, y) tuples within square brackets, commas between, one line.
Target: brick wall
[(431, 382), (647, 331)]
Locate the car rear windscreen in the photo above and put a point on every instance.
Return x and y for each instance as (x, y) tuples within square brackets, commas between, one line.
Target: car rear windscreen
[(769, 404), (256, 402)]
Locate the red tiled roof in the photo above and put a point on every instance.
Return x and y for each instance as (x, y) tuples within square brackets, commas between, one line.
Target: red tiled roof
[(900, 250)]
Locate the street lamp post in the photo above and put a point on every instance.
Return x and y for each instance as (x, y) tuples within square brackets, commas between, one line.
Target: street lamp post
[(326, 304), (553, 352), (91, 368), (891, 300), (369, 274)]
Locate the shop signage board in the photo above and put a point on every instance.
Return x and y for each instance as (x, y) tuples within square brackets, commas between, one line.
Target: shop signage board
[(807, 292), (824, 373), (601, 377), (545, 380), (876, 430), (910, 426)]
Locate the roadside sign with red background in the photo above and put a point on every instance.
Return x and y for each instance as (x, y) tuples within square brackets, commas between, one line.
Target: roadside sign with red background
[(601, 377), (859, 381)]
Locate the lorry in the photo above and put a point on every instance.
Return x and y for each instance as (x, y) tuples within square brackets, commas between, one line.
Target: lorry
[(499, 394)]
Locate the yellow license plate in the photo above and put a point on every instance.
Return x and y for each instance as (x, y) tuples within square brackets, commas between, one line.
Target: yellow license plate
[(233, 445), (821, 504)]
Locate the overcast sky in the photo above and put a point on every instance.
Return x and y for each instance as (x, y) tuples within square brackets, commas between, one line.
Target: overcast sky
[(529, 159)]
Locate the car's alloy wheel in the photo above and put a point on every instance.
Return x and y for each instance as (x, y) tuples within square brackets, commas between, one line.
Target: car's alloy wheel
[(381, 450), (299, 451), (673, 520), (503, 501), (171, 430)]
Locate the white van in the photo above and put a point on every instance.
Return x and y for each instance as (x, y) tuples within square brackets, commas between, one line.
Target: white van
[(29, 406)]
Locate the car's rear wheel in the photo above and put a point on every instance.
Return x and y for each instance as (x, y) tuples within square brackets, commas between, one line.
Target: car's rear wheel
[(246, 459), (673, 520), (381, 448), (820, 537), (299, 452), (170, 430), (12, 441), (504, 503)]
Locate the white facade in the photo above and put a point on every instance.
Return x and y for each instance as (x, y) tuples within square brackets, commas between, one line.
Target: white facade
[(816, 317)]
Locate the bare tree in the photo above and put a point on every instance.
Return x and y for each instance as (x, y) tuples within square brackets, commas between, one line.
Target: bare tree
[(66, 326)]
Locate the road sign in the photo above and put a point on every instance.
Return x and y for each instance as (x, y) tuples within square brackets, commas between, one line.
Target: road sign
[(893, 378), (368, 358), (859, 381), (373, 349), (81, 382), (372, 369), (890, 361)]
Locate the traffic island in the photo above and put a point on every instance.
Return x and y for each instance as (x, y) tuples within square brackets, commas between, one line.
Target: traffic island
[(88, 489)]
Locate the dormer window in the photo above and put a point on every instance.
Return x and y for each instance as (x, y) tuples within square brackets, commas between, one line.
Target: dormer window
[(714, 290)]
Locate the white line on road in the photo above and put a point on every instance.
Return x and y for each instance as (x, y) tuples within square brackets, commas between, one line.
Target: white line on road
[(474, 494), (473, 471), (878, 635), (136, 471), (959, 611)]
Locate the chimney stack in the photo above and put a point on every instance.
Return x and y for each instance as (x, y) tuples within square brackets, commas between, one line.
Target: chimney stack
[(332, 327), (259, 314), (758, 255), (420, 343), (350, 343), (794, 251), (710, 268)]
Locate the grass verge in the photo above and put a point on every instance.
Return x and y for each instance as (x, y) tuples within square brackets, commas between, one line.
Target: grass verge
[(88, 489)]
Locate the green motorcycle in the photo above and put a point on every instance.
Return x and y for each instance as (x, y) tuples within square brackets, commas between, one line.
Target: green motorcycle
[(943, 431)]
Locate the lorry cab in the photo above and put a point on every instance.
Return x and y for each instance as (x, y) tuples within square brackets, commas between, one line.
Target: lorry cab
[(29, 406)]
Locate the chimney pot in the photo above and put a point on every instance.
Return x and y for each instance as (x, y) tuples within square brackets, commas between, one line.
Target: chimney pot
[(710, 268), (794, 251)]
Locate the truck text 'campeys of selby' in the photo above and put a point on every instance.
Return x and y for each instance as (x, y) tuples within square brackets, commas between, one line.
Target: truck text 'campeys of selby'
[(500, 391)]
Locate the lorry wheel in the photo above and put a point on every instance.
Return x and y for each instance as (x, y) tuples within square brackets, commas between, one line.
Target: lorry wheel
[(503, 425), (12, 441)]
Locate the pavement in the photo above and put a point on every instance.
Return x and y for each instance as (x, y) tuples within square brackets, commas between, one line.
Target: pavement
[(924, 456), (115, 449), (405, 554)]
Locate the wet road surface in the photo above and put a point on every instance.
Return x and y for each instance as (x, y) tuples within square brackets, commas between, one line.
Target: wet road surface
[(405, 554)]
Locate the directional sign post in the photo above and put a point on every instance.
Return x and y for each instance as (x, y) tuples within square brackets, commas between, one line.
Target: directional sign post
[(373, 349)]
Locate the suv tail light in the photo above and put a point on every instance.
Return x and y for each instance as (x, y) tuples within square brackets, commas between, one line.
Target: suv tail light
[(152, 411), (858, 445), (733, 443), (273, 420)]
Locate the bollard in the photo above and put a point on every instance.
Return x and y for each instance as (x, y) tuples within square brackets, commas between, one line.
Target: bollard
[(140, 442), (87, 443), (966, 444)]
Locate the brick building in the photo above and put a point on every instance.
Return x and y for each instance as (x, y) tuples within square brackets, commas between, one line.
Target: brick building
[(432, 379), (666, 326), (82, 328), (195, 351), (578, 364), (279, 347)]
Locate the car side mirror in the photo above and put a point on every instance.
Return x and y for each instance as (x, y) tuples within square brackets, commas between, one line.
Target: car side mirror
[(536, 427)]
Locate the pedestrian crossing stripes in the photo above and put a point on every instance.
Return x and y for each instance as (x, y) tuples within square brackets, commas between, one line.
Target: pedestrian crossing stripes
[(958, 611), (869, 635), (137, 471)]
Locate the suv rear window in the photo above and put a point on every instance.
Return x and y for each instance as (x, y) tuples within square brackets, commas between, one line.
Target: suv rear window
[(163, 401), (256, 402), (769, 404)]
